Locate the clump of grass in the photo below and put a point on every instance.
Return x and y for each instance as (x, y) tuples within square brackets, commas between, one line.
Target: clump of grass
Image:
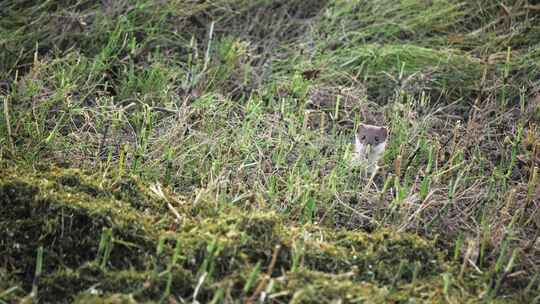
[(410, 68)]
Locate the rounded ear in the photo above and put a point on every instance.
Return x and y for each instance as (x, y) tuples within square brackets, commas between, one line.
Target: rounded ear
[(361, 128), (385, 131)]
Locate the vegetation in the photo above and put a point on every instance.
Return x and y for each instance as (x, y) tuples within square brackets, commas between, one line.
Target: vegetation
[(172, 151)]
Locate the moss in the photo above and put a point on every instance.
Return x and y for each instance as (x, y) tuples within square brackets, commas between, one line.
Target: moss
[(50, 210), (382, 256), (306, 286), (309, 264), (316, 287), (73, 182), (132, 191), (90, 279), (110, 299)]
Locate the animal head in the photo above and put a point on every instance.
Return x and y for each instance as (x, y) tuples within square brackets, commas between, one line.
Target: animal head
[(369, 135)]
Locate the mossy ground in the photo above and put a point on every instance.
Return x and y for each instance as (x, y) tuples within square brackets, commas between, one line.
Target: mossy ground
[(184, 141), (228, 253)]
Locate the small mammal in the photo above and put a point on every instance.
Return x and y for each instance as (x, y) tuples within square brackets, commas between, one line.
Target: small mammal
[(370, 142)]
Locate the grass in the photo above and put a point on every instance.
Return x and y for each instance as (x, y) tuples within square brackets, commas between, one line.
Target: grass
[(110, 241), (251, 105)]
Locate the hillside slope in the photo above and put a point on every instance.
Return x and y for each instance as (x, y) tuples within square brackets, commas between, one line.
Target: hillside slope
[(160, 150)]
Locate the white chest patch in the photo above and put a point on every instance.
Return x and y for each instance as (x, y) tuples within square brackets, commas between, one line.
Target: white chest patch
[(367, 155)]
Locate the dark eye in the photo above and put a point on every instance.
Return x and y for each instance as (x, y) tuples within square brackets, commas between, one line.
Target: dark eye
[(376, 139), (363, 137)]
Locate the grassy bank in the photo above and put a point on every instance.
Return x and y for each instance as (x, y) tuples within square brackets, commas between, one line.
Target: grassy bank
[(76, 236), (244, 113)]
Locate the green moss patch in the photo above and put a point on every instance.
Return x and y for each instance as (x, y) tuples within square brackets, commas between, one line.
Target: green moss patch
[(101, 247)]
